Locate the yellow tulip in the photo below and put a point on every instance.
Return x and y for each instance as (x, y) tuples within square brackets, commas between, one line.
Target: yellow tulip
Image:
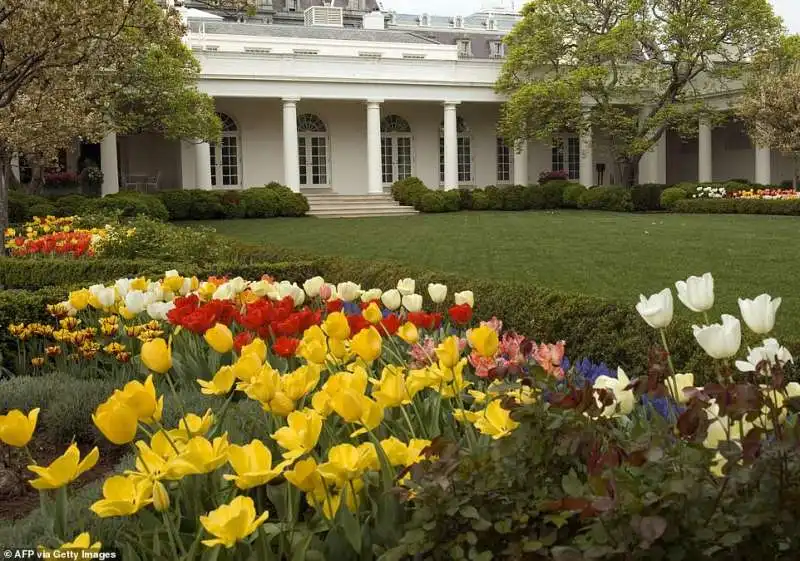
[(256, 347), (396, 450), (232, 522), (200, 456), (139, 283), (415, 449), (301, 381), (16, 428), (336, 326), (484, 340), (328, 503), (391, 391), (219, 338), (451, 379), (367, 344), (253, 465), (220, 384), (160, 497), (157, 356), (193, 425), (409, 333), (338, 349), (79, 299), (345, 463), (63, 470), (247, 366), (419, 379), (357, 408), (301, 434), (173, 283), (321, 403), (448, 352), (206, 290), (126, 313), (279, 405), (123, 496), (116, 420), (82, 541), (263, 385), (313, 351), (495, 421), (372, 313), (142, 399), (304, 475), (678, 383)]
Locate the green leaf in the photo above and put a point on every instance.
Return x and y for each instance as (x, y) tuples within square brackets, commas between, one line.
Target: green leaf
[(351, 527), (469, 511), (572, 486), (561, 553)]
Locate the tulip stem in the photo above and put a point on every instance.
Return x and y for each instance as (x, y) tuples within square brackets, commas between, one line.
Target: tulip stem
[(674, 388), (408, 421), (180, 403), (173, 534)]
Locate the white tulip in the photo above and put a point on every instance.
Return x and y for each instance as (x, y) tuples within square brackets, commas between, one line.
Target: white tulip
[(656, 310), (312, 286), (437, 292), (412, 302), (624, 400), (770, 353), (186, 287), (122, 286), (371, 295), (134, 301), (720, 340), (759, 313), (348, 291), (406, 286), (72, 311), (156, 290), (697, 293), (290, 289), (106, 297), (171, 273), (465, 297), (159, 310), (678, 383), (238, 284), (224, 291), (391, 299), (261, 288)]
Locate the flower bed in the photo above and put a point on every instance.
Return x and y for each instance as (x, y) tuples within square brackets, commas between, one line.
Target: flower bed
[(54, 236), (766, 194), (373, 404)]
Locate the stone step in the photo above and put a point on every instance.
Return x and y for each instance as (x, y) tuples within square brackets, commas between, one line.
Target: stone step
[(375, 198), (332, 205), (347, 205), (343, 212)]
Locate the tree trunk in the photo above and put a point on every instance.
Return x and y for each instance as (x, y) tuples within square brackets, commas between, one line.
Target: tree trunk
[(5, 181), (795, 158)]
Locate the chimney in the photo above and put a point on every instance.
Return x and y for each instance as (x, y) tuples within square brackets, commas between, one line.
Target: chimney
[(374, 20)]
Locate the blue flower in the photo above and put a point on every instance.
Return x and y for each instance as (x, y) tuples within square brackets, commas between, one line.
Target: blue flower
[(351, 308), (589, 371)]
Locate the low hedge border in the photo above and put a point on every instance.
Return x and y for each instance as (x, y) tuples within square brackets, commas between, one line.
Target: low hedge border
[(790, 207), (268, 201), (34, 274)]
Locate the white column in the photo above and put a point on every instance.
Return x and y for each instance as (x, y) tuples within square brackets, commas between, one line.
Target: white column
[(763, 165), (291, 158), (521, 164), (587, 158), (653, 165), (202, 166), (108, 164), (705, 167), (374, 171), (450, 145)]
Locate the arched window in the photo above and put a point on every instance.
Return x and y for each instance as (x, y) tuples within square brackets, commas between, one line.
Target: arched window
[(396, 149), (464, 159), (312, 144), (226, 159)]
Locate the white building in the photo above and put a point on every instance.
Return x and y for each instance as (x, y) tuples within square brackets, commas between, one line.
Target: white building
[(346, 100)]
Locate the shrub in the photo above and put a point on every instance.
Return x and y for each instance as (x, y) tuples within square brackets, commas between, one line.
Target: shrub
[(546, 176), (613, 198), (670, 196), (739, 206), (131, 204), (480, 200), (495, 196), (71, 205), (178, 203), (553, 192), (689, 187), (466, 196), (409, 191), (439, 201), (233, 205), (535, 197), (289, 203), (515, 197), (260, 203), (572, 193), (42, 209), (158, 241), (647, 196)]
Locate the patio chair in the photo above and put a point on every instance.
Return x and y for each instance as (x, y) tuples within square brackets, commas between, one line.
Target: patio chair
[(151, 183)]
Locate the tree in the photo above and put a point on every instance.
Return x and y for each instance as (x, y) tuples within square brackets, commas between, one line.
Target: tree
[(770, 104), (78, 69), (627, 69)]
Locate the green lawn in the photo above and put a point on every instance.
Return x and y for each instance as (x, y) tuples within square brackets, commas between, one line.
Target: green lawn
[(606, 254)]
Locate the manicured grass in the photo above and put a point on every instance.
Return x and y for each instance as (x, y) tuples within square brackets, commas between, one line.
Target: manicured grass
[(606, 254)]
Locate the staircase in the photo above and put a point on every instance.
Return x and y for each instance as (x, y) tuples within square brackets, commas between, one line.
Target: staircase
[(332, 205)]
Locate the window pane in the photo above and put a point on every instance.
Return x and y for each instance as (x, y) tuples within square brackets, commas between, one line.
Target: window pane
[(441, 159), (213, 149), (403, 157), (573, 157), (301, 145), (464, 160), (386, 159), (230, 161), (503, 161)]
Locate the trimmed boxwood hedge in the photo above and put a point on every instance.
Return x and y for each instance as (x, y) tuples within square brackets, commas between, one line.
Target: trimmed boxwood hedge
[(738, 206)]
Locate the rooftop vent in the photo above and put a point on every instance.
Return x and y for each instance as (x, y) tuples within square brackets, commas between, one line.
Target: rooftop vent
[(324, 16)]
